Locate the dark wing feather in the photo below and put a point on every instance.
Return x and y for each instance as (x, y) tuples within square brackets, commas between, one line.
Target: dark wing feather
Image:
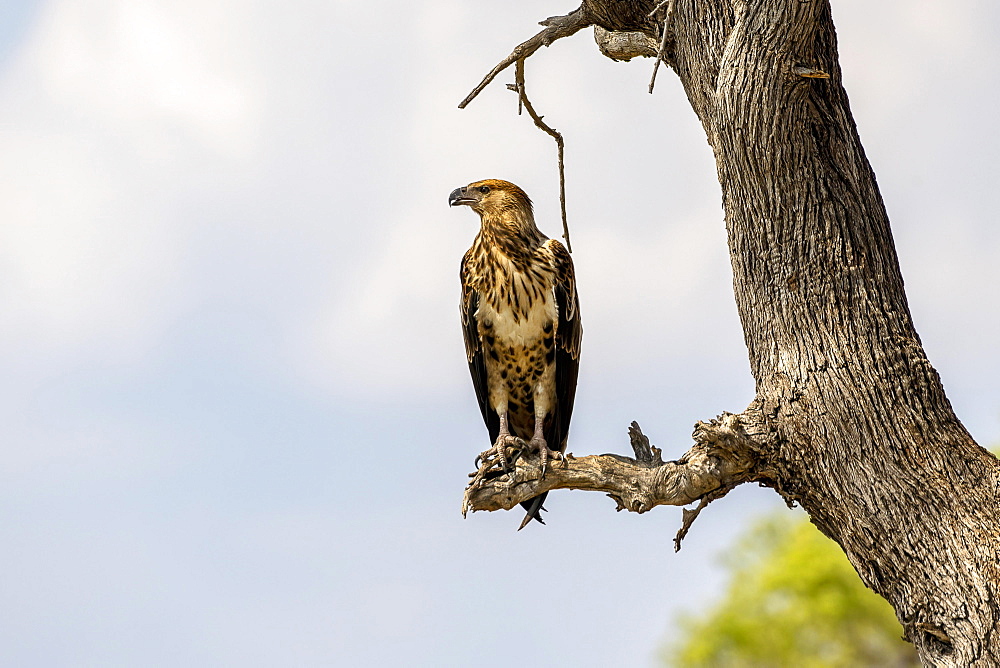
[(474, 350), (569, 334)]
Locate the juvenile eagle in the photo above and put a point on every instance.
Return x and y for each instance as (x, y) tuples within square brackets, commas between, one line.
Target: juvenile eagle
[(522, 328)]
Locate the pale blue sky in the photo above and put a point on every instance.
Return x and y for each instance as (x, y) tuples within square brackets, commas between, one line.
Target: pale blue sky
[(236, 416)]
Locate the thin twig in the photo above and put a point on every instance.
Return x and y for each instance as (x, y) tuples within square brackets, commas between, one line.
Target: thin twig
[(659, 6), (523, 97), (663, 41), (689, 516), (659, 56), (556, 27)]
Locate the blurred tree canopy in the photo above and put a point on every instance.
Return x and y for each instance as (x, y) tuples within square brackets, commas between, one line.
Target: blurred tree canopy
[(793, 600)]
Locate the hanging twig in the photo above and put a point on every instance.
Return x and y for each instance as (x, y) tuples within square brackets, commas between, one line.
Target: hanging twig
[(523, 100), (658, 7), (663, 40)]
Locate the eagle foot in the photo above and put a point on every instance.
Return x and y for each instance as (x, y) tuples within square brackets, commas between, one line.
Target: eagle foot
[(545, 453), (494, 463), (498, 454)]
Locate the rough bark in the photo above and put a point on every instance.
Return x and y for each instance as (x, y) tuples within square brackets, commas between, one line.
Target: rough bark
[(863, 436), (850, 418)]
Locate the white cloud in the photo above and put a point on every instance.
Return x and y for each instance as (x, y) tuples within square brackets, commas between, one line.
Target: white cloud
[(108, 105), (146, 66)]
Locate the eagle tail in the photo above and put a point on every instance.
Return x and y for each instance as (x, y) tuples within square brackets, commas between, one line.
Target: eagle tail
[(533, 506)]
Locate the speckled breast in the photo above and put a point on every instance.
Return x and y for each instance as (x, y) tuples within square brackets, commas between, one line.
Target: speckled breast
[(520, 358)]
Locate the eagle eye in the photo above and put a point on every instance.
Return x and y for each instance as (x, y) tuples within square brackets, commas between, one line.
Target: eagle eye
[(484, 189)]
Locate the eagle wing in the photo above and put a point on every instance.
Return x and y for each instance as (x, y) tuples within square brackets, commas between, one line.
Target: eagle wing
[(474, 349), (568, 336)]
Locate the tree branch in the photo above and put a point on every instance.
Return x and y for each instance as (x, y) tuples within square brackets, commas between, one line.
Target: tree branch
[(523, 101), (556, 27), (666, 28), (722, 458)]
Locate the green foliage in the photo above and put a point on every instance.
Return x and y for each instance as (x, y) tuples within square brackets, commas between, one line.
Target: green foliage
[(793, 600)]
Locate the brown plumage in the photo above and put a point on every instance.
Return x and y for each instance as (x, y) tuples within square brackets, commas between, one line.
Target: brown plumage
[(522, 325)]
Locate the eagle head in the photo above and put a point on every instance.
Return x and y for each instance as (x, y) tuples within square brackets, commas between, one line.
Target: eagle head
[(491, 196)]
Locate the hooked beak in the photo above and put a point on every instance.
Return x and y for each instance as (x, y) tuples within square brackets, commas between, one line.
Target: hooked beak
[(459, 196)]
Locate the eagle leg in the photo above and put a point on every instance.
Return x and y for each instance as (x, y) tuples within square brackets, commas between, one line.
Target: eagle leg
[(504, 440), (538, 441)]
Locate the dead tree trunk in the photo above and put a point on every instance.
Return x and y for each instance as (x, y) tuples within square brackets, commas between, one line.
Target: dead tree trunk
[(850, 418), (860, 430)]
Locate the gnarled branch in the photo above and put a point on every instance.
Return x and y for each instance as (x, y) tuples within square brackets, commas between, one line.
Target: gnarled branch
[(723, 456)]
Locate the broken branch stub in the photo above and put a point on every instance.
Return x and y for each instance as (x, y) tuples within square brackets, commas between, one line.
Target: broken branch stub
[(624, 46)]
